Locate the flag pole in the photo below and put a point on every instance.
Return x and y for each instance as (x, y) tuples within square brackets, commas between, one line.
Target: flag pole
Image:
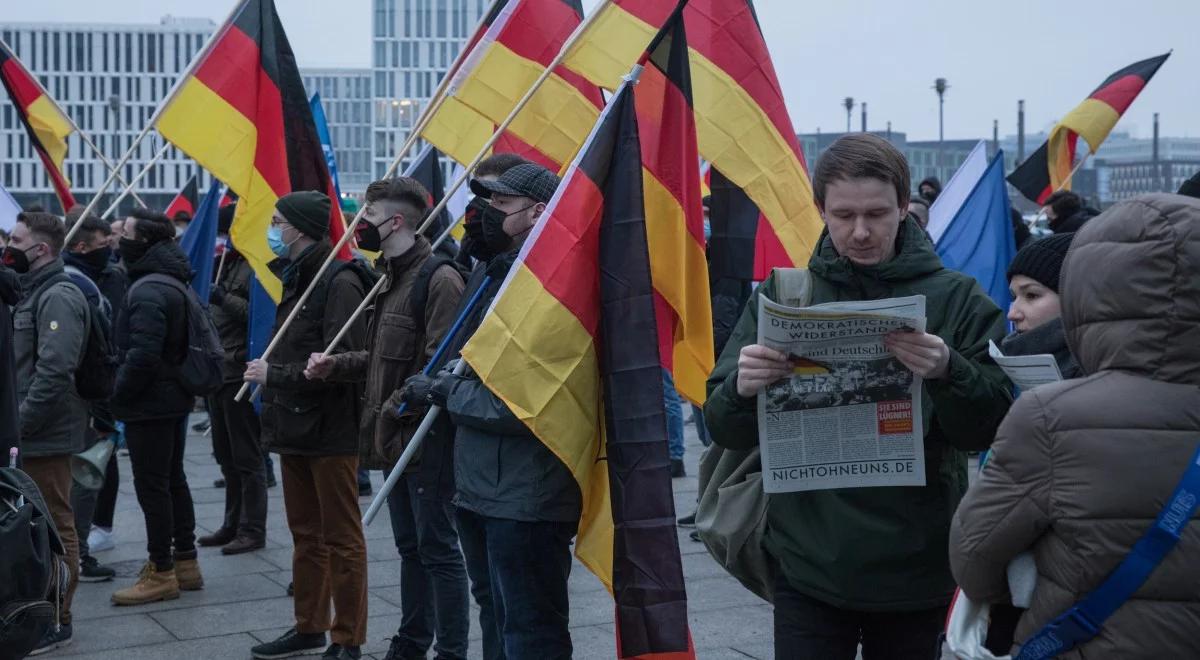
[(579, 29), (70, 120), (195, 63), (431, 416), (153, 161)]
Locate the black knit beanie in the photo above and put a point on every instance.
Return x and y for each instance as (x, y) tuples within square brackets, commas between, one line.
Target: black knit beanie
[(1042, 260), (1191, 187), (307, 211)]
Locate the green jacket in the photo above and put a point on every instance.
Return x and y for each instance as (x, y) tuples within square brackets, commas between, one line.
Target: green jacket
[(881, 549)]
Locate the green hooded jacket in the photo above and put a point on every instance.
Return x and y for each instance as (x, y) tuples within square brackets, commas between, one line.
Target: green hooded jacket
[(884, 548)]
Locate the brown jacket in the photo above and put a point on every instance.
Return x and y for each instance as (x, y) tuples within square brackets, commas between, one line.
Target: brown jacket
[(397, 348), (1080, 469)]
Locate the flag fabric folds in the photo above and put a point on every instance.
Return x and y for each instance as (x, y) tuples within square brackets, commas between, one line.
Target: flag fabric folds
[(44, 122), (187, 199), (9, 210), (199, 241), (242, 114), (956, 191), (742, 123), (322, 124), (574, 341), (519, 43), (1049, 168), (979, 240)]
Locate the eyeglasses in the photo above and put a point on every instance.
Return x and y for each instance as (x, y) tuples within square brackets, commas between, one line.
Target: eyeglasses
[(279, 222)]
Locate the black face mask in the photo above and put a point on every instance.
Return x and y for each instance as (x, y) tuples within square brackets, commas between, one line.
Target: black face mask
[(16, 259), (473, 241), (133, 251), (95, 261), (494, 237), (368, 237)]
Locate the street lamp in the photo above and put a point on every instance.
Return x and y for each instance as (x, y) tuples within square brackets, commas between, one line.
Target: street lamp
[(940, 86), (114, 104), (848, 104)]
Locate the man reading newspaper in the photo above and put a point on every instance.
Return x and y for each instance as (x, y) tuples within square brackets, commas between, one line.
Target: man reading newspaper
[(870, 563)]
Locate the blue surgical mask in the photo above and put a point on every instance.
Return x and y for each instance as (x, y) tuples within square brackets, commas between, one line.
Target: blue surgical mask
[(275, 241)]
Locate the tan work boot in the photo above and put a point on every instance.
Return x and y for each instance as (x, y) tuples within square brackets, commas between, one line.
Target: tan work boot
[(188, 572), (151, 587)]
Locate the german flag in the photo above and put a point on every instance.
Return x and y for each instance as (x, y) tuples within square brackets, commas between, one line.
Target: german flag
[(44, 121), (187, 200), (1049, 168), (521, 40), (574, 342), (741, 120), (242, 114)]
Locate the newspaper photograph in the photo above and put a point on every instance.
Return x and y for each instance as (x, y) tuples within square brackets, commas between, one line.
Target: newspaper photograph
[(1026, 371), (850, 414)]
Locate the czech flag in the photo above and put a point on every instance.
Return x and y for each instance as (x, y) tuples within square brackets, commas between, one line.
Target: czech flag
[(243, 115)]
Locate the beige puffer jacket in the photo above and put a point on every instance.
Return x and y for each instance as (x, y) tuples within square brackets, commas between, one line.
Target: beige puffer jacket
[(1080, 469)]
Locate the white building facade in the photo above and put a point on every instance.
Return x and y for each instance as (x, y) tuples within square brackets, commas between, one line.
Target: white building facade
[(110, 79), (346, 97), (414, 43)]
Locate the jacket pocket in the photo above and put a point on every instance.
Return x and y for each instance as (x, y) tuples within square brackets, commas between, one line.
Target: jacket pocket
[(294, 419), (397, 337)]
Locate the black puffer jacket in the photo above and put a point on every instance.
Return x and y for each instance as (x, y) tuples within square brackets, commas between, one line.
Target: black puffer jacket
[(10, 295), (1073, 222), (152, 339)]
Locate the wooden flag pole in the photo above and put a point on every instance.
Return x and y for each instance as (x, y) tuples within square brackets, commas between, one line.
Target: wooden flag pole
[(145, 170), (74, 126), (195, 63), (221, 264), (525, 100)]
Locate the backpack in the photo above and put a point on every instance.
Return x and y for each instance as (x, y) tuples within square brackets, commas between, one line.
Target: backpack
[(419, 296), (367, 275), (200, 372), (32, 561), (97, 370)]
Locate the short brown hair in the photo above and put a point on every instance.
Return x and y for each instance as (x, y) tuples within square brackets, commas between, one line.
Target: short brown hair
[(861, 156), (402, 189), (49, 228), (498, 164)]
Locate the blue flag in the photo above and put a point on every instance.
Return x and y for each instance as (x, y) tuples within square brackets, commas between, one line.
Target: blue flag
[(258, 328), (199, 241), (318, 113), (979, 240)]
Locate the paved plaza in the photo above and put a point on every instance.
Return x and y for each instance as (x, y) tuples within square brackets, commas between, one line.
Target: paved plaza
[(244, 600)]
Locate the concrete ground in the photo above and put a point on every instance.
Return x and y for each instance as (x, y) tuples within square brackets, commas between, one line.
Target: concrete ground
[(244, 601)]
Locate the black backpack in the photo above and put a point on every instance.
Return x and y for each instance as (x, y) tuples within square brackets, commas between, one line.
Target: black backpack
[(97, 370), (200, 372), (32, 561), (420, 289)]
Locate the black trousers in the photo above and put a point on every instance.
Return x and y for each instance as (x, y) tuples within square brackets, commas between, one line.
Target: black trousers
[(156, 454), (106, 500), (808, 629), (236, 444)]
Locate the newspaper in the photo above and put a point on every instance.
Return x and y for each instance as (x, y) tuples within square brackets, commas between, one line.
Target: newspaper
[(1026, 371), (850, 414)]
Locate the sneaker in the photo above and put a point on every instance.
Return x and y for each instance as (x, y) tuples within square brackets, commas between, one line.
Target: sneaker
[(695, 535), (219, 483), (271, 483), (243, 544), (688, 520), (188, 571), (100, 539), (339, 652), (90, 570), (401, 649), (218, 538), (290, 644), (201, 426), (53, 639), (677, 470), (291, 591), (151, 587)]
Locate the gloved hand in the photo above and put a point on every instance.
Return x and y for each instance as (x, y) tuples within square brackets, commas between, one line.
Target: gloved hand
[(422, 390), (217, 296)]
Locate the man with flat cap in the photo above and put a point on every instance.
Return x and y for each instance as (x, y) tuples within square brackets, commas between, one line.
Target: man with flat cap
[(313, 426), (518, 505)]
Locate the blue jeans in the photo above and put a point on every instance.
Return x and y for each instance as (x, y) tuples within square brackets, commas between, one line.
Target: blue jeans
[(433, 579), (519, 574), (674, 417)]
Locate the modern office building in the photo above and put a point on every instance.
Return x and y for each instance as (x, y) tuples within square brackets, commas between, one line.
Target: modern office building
[(926, 158), (346, 97), (414, 44), (110, 79)]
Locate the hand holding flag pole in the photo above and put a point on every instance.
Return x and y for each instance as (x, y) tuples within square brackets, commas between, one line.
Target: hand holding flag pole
[(431, 416)]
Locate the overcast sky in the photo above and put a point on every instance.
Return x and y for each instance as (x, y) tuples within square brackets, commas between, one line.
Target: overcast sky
[(1052, 53)]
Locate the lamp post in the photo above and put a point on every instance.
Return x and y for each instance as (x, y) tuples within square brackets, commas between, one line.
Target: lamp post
[(848, 104), (940, 86), (114, 104)]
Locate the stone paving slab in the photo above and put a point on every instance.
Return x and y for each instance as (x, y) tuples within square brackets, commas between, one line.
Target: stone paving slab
[(244, 601)]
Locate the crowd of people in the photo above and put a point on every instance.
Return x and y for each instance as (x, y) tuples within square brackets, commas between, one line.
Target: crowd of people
[(1076, 470)]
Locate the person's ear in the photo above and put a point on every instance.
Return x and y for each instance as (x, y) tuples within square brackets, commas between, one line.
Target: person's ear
[(538, 209)]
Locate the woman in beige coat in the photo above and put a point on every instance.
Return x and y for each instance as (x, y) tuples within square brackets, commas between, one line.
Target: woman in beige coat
[(1080, 469)]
